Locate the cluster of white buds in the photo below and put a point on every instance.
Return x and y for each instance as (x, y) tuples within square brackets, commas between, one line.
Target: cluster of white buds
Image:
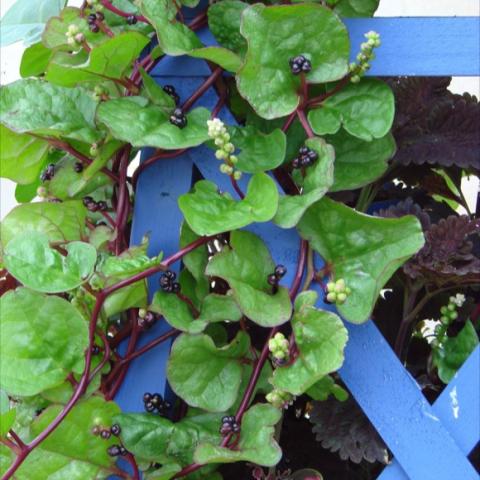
[(449, 312), (337, 292), (366, 55), (74, 36), (218, 133), (279, 346), (279, 398)]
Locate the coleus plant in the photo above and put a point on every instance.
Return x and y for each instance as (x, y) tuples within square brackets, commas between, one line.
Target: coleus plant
[(311, 127)]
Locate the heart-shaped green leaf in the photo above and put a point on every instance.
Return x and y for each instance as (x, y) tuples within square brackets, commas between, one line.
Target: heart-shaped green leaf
[(174, 37), (259, 152), (35, 60), (265, 79), (206, 376), (256, 444), (61, 222), (209, 212), (227, 59), (246, 267), (365, 251), (365, 110), (43, 340), (318, 180), (320, 338), (155, 93), (35, 106), (325, 387), (356, 8), (31, 261), (130, 119), (358, 162)]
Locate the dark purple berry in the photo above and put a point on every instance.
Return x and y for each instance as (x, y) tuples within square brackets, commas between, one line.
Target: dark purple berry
[(157, 399), (299, 64), (88, 200), (171, 275), (91, 18), (102, 206), (306, 66), (176, 287), (115, 430), (132, 20), (164, 281), (48, 173), (147, 397), (312, 155), (272, 280), (96, 430), (280, 271), (105, 434), (178, 118), (170, 90), (100, 16), (94, 28), (305, 161), (168, 288), (114, 451), (303, 150), (78, 167), (123, 451), (149, 407), (296, 163)]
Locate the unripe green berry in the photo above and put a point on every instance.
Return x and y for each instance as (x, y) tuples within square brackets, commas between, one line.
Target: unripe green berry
[(355, 79), (348, 290), (41, 192), (71, 41), (332, 297), (444, 319), (331, 286), (221, 154), (219, 142), (94, 150), (237, 175), (233, 159), (444, 310), (73, 29), (451, 307), (341, 297), (142, 312), (227, 169), (453, 315), (229, 148)]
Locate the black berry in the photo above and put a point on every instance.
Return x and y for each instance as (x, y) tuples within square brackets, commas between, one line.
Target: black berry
[(102, 206), (296, 163), (170, 90), (91, 18), (96, 430), (48, 173), (178, 118), (100, 16), (115, 430), (229, 425), (132, 20), (164, 281), (114, 450), (78, 167), (171, 275), (157, 399), (272, 279), (176, 287), (280, 271), (94, 28), (149, 407), (147, 397), (123, 451), (299, 64), (105, 434)]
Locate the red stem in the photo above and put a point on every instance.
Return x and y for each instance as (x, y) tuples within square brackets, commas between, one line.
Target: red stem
[(123, 201), (202, 89), (305, 124), (236, 187), (108, 5), (17, 439), (321, 98), (106, 355)]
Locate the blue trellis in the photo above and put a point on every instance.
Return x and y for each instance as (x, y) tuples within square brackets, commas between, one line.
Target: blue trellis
[(428, 442)]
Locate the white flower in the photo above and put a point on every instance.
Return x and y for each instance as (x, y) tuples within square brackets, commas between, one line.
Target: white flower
[(458, 299)]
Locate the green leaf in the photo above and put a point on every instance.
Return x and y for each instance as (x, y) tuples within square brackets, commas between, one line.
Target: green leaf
[(325, 387), (61, 222), (206, 376), (365, 110), (358, 163), (321, 338), (35, 60), (165, 472), (154, 438), (33, 263), (22, 22), (259, 152), (224, 22), (209, 212), (155, 93), (174, 37), (227, 59), (257, 444), (196, 261), (35, 106), (26, 193), (21, 156), (214, 308), (43, 339), (365, 251), (318, 180), (110, 60), (453, 351), (131, 120), (356, 8), (246, 266), (265, 79), (7, 414)]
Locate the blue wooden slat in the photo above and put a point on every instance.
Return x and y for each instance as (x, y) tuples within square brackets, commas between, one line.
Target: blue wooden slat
[(458, 408)]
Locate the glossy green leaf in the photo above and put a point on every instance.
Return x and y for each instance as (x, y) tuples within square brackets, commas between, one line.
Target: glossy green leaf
[(22, 22), (26, 193), (155, 93), (453, 352), (206, 376), (365, 110), (365, 251), (43, 339), (21, 156), (318, 180), (321, 338), (209, 212), (174, 37), (257, 444), (325, 387), (7, 414), (357, 162), (61, 222), (35, 60), (259, 152), (35, 106), (246, 266), (214, 308), (110, 60), (29, 258), (165, 472), (265, 79), (130, 119), (224, 22), (356, 8), (223, 57), (154, 438), (196, 261)]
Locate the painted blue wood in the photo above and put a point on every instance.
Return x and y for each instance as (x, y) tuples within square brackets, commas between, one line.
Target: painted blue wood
[(458, 408), (426, 442)]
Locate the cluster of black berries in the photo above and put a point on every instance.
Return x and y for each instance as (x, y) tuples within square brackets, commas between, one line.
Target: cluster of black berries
[(275, 277), (116, 450), (299, 64), (78, 167), (170, 90), (48, 173), (154, 402), (106, 433), (146, 319), (167, 282), (229, 425), (178, 118), (306, 157), (132, 19), (92, 20), (94, 206)]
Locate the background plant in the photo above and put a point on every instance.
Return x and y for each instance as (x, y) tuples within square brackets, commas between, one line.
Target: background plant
[(74, 288)]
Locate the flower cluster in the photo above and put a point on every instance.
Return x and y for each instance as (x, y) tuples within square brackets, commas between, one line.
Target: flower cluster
[(449, 312), (337, 292), (75, 37), (279, 398), (357, 70), (218, 133), (279, 346)]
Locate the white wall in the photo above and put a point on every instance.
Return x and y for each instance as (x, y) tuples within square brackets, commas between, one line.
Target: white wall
[(10, 62)]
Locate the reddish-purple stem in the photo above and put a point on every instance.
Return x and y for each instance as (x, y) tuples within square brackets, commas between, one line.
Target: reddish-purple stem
[(108, 5), (305, 123), (202, 89), (236, 187)]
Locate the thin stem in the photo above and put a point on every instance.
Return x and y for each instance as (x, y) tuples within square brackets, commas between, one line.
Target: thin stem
[(8, 443), (300, 269), (237, 189), (108, 5), (106, 355), (202, 89), (109, 219), (321, 98), (133, 463), (103, 27), (289, 121), (305, 123)]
